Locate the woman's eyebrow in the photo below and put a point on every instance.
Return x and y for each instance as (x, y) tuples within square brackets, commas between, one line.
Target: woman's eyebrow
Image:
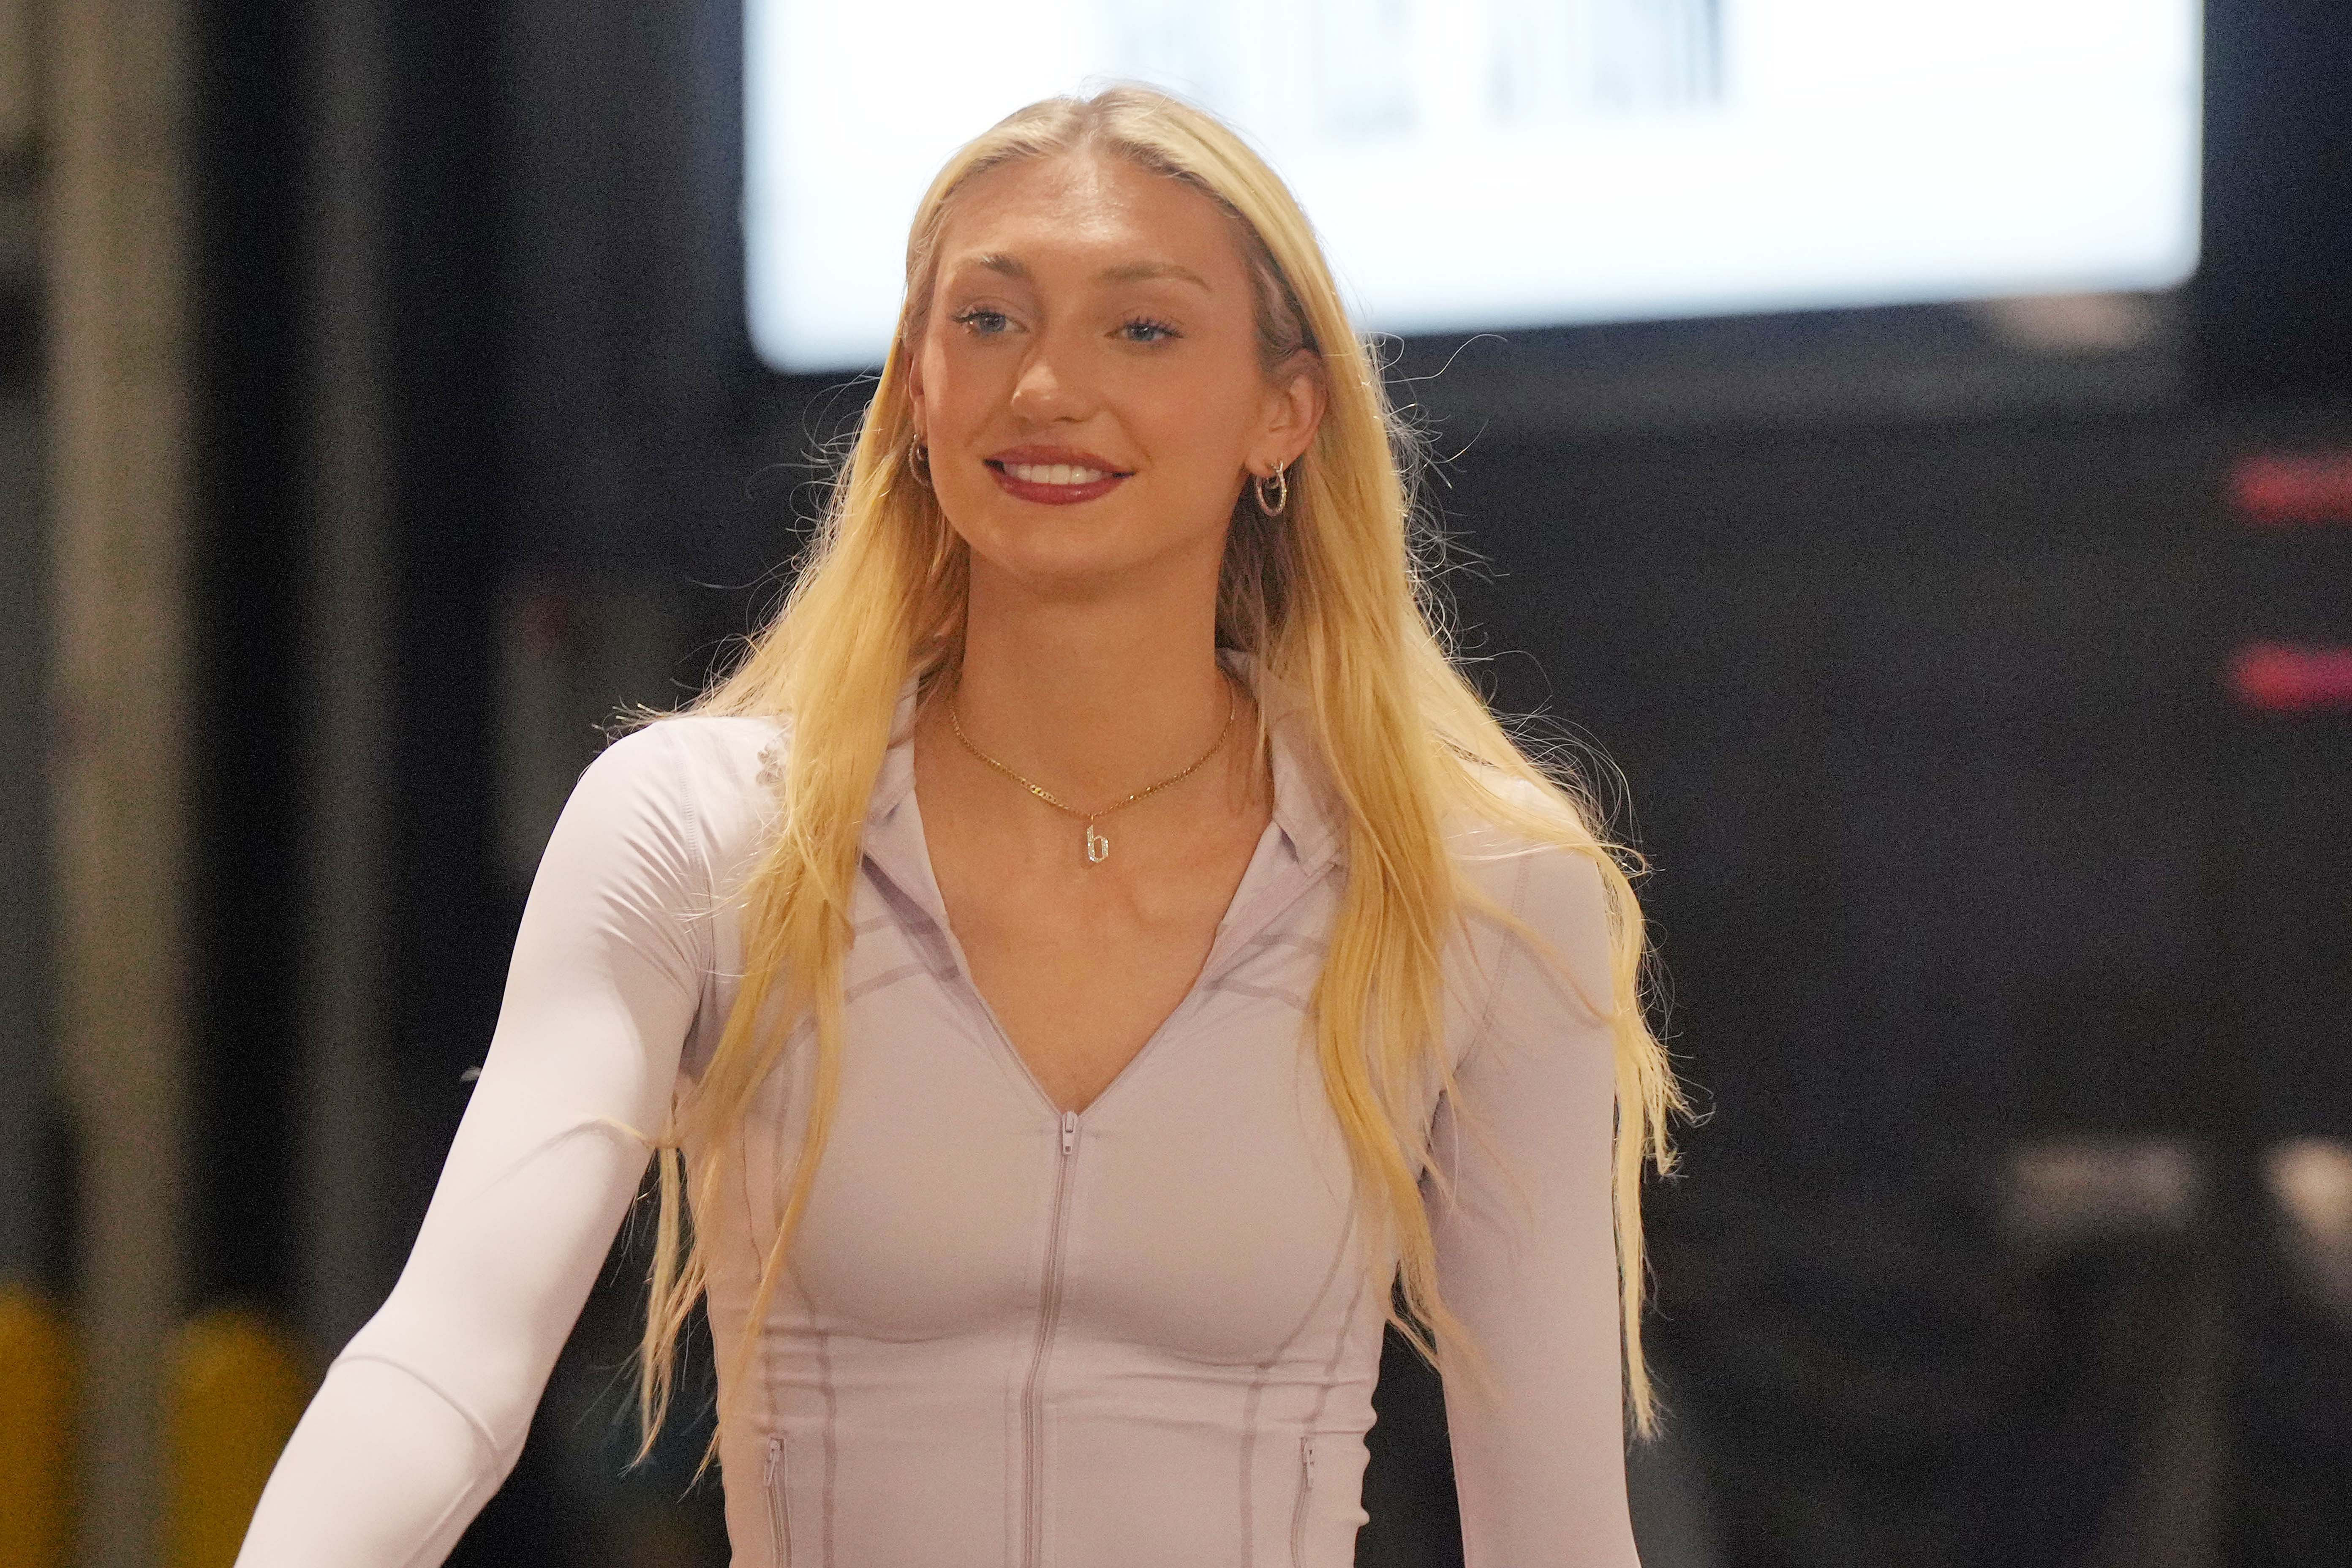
[(1145, 271), (1125, 273)]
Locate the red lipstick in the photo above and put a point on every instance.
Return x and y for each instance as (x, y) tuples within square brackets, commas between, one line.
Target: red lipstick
[(1055, 476)]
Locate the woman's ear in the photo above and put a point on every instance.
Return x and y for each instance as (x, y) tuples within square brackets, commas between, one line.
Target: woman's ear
[(1294, 405)]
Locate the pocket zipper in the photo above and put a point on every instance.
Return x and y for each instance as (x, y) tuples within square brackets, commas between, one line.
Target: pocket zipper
[(1298, 1511), (780, 1535)]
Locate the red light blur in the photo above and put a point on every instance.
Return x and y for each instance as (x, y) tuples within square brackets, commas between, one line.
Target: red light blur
[(2279, 678), (2276, 489)]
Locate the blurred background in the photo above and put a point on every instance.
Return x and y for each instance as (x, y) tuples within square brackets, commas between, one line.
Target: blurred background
[(1914, 443)]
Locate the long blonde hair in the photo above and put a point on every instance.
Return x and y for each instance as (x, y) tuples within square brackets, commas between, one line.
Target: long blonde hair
[(1334, 601)]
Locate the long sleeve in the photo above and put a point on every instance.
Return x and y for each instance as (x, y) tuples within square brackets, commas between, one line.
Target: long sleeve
[(1526, 1252), (424, 1413)]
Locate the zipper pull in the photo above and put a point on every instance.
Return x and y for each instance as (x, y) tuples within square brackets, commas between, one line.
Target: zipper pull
[(775, 1457), (1307, 1460), (1069, 1130)]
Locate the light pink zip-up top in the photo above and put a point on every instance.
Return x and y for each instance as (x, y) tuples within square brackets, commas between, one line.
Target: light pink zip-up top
[(1139, 1336)]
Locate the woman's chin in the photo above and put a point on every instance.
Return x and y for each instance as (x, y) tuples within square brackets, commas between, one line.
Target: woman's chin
[(1079, 570), (1077, 555)]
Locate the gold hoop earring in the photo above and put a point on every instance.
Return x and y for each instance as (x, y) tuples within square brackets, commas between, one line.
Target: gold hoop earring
[(919, 462), (1280, 479)]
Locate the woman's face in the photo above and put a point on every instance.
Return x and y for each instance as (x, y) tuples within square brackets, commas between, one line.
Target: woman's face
[(1088, 382)]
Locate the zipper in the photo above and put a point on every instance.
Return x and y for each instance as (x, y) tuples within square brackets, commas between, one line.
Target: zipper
[(1298, 1511), (780, 1533), (1049, 1306)]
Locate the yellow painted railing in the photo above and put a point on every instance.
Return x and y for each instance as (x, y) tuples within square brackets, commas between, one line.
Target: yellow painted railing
[(38, 1386), (237, 1387), (238, 1384)]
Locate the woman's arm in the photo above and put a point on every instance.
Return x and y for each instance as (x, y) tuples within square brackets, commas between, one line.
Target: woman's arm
[(1526, 1254), (422, 1415)]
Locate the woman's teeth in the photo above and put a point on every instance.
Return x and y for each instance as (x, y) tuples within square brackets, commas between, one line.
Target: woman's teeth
[(1053, 474)]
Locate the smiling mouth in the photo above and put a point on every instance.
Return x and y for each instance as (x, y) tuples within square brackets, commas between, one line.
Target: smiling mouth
[(1053, 473), (1053, 484)]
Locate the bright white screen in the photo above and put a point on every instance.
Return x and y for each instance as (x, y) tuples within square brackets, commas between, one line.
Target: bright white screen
[(1477, 163)]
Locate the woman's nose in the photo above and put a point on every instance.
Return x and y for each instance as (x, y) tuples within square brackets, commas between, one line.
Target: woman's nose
[(1051, 387)]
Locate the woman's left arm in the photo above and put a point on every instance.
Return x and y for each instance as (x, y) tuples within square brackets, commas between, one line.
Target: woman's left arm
[(1526, 1250)]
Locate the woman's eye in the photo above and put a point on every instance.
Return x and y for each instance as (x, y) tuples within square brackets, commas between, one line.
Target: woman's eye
[(1142, 330), (982, 322)]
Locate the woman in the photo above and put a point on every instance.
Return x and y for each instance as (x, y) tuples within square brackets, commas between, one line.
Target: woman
[(1092, 947)]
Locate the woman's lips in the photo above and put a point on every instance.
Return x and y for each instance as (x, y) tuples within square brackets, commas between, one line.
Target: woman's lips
[(1053, 484)]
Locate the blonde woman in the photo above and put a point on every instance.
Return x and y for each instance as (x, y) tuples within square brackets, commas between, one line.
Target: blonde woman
[(1092, 951)]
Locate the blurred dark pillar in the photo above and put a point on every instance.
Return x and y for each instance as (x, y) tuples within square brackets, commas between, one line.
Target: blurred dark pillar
[(348, 1257), (119, 219), (24, 1055), (26, 1063)]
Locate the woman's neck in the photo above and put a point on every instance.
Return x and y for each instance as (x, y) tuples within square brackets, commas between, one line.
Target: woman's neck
[(1095, 697)]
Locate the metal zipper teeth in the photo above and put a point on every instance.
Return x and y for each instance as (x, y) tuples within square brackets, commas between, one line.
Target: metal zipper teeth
[(1049, 1306), (779, 1532), (1298, 1508)]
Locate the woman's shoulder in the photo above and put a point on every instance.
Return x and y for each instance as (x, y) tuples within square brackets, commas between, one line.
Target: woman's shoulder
[(714, 750), (1528, 850), (1539, 904), (1499, 818), (710, 773), (699, 755)]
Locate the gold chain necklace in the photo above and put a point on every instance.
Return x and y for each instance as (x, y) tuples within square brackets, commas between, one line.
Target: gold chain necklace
[(1097, 846)]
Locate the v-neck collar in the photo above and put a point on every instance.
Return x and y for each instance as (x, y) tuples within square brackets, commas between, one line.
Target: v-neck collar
[(1305, 811)]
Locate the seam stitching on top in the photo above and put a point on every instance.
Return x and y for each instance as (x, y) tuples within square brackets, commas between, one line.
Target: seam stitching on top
[(824, 1383), (759, 1262), (1266, 992), (1257, 1386), (873, 982), (498, 1460)]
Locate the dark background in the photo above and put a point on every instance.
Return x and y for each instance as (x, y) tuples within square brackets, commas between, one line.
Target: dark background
[(1910, 644)]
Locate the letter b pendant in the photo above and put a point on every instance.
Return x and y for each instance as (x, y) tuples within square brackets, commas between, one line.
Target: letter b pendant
[(1097, 846)]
